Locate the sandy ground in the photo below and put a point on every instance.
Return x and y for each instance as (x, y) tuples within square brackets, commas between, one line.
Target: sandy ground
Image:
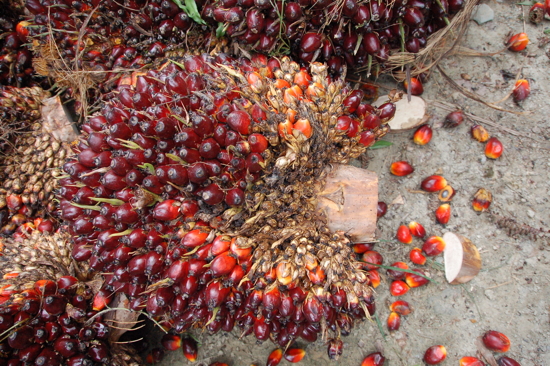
[(512, 292)]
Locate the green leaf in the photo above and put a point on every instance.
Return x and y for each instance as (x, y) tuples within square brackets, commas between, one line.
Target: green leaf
[(190, 8), (526, 3), (381, 144), (149, 167), (547, 31), (220, 31)]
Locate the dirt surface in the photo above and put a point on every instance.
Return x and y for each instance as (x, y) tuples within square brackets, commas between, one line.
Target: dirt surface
[(511, 294)]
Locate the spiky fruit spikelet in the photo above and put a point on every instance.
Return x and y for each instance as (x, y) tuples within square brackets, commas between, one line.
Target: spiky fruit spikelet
[(41, 256), (212, 146)]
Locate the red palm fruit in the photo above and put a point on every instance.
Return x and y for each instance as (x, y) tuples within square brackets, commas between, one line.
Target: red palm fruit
[(416, 87), (433, 183), (21, 337), (292, 93), (413, 17), (454, 119), (496, 341), (417, 229), (155, 356), (404, 234), (433, 246), (313, 310), (374, 359), (66, 347), (398, 288), (507, 361), (401, 168), (470, 361), (422, 135), (417, 257), (396, 274), (190, 350), (381, 209), (65, 283), (479, 133), (372, 259), (443, 213), (401, 307), (335, 348), (304, 127), (55, 304), (275, 357), (294, 355), (239, 121), (386, 111), (195, 238), (482, 200), (394, 321), (361, 248), (493, 148), (521, 90), (435, 355), (414, 280), (223, 264), (171, 342), (518, 42), (234, 197), (311, 42), (212, 194), (258, 143), (374, 277)]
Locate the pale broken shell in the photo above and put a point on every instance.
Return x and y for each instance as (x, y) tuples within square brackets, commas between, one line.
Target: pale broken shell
[(408, 114), (462, 260)]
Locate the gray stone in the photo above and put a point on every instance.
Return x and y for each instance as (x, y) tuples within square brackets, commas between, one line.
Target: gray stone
[(483, 14)]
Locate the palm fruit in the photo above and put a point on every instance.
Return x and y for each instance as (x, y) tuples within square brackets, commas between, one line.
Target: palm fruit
[(15, 59), (30, 172), (206, 214), (340, 33)]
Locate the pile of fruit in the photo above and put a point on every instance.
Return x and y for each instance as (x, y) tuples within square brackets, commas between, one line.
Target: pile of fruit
[(190, 195)]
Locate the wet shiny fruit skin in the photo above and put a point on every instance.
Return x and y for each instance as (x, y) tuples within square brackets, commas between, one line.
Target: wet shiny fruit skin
[(401, 168), (416, 86), (417, 257), (433, 183), (398, 288), (454, 119), (433, 246), (435, 355), (401, 307), (507, 361), (381, 209), (496, 341), (521, 91), (275, 357), (443, 213), (294, 355), (394, 321), (189, 348), (373, 359), (518, 42), (422, 135), (417, 229), (494, 148)]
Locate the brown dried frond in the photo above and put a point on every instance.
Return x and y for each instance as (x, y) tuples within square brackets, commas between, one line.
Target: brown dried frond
[(515, 229)]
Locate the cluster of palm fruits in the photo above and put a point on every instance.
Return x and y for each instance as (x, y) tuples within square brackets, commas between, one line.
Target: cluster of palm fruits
[(49, 312), (340, 33), (31, 157), (15, 59), (194, 191)]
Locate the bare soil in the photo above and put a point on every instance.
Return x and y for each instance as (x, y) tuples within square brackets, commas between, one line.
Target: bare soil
[(512, 292)]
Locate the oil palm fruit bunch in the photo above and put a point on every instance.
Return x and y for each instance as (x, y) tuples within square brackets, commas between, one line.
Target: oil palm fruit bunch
[(193, 190), (32, 159), (15, 59), (50, 310), (340, 32)]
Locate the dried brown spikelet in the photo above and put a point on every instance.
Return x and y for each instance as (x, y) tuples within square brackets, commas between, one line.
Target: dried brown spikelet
[(515, 229)]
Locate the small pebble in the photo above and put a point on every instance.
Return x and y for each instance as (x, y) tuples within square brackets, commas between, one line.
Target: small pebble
[(483, 14)]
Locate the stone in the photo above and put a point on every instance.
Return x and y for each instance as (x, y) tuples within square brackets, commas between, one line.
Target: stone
[(483, 14)]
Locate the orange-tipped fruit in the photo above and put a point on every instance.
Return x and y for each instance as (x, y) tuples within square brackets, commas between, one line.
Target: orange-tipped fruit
[(496, 341), (518, 42), (401, 307), (274, 357), (171, 342), (494, 148), (470, 361), (398, 288), (372, 259), (414, 280), (417, 257), (443, 213), (433, 246), (396, 274), (190, 349), (374, 277), (479, 133), (446, 194), (374, 359), (304, 127), (361, 248), (416, 86), (284, 275), (422, 135), (394, 321), (482, 200), (294, 355), (401, 168), (101, 300), (521, 91), (285, 128), (433, 183), (404, 234), (435, 355), (417, 229)]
